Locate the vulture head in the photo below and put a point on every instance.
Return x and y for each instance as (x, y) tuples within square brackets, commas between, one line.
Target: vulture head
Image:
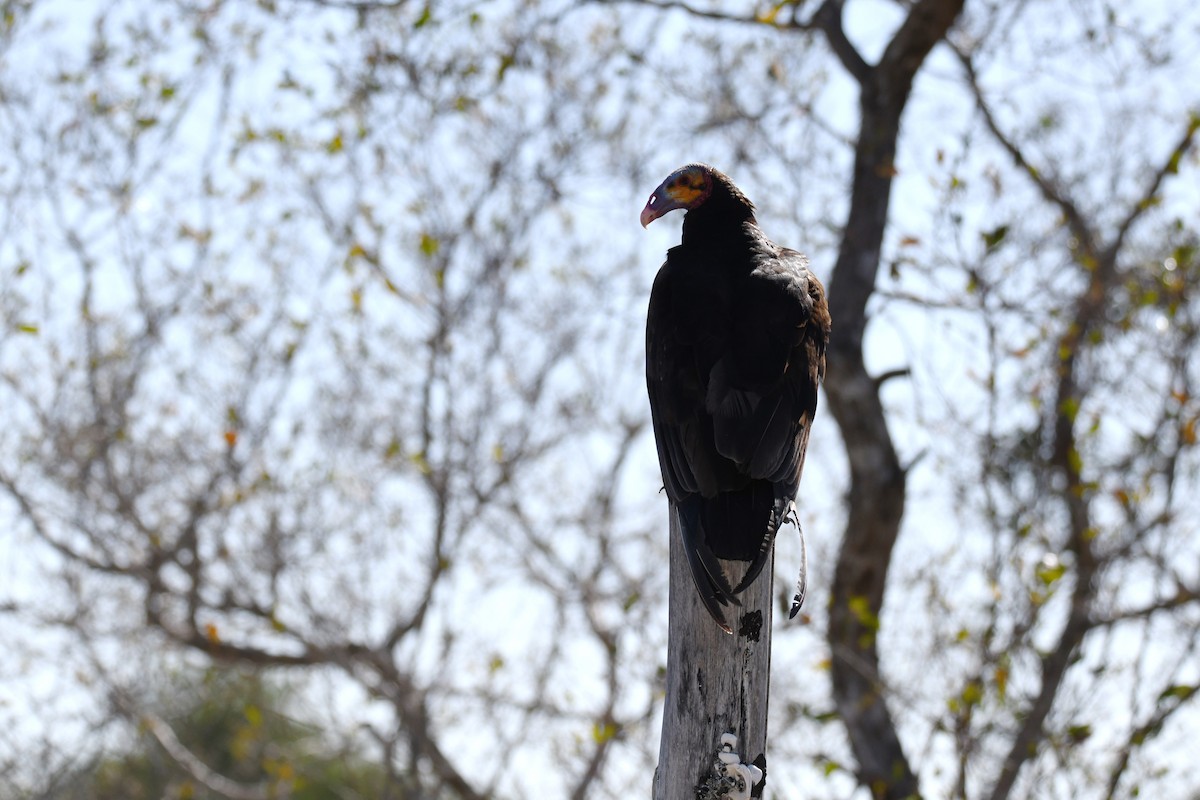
[(686, 187), (696, 186)]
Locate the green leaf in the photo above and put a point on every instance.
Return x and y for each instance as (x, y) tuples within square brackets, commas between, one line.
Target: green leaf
[(860, 607), (1079, 733), (1050, 570), (27, 327), (505, 62), (1074, 460), (603, 731), (993, 238), (429, 244), (423, 20), (422, 465), (1173, 164), (1179, 690)]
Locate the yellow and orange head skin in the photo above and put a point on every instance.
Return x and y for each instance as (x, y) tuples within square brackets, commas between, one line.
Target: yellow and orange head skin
[(686, 187)]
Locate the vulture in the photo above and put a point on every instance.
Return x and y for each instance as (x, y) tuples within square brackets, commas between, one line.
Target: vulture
[(736, 334)]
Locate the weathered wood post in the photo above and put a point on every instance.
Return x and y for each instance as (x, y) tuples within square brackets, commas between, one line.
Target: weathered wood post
[(716, 683)]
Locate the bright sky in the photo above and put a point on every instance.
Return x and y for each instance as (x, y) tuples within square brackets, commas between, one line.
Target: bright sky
[(275, 238)]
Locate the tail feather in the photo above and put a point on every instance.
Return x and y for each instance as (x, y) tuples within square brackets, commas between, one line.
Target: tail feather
[(735, 521), (711, 583)]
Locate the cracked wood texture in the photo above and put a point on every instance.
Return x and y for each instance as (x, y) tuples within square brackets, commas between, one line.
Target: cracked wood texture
[(716, 683)]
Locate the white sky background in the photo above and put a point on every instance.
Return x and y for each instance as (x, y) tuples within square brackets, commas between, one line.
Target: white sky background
[(800, 209)]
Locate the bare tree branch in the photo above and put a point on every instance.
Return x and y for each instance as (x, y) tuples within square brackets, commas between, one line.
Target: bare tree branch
[(1052, 193), (1089, 307), (1170, 166), (197, 769), (691, 10), (1175, 699), (829, 19)]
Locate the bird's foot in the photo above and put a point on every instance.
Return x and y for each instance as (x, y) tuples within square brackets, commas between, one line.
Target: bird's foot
[(797, 601), (802, 580)]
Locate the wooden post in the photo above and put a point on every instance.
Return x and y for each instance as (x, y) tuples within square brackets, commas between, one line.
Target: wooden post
[(716, 683)]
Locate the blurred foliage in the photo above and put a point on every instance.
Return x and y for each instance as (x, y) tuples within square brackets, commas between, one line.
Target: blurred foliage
[(240, 725)]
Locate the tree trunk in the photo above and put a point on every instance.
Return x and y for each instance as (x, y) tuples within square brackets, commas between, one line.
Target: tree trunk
[(877, 480), (716, 683)]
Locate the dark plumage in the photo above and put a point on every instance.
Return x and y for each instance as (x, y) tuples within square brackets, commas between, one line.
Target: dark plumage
[(735, 348)]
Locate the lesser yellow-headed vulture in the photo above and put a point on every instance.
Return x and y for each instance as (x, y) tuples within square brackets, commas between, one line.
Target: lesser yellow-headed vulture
[(735, 348)]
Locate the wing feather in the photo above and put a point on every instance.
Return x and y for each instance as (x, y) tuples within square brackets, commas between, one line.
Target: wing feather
[(733, 359)]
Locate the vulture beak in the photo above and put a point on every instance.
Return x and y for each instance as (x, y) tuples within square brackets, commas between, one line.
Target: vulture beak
[(649, 214)]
